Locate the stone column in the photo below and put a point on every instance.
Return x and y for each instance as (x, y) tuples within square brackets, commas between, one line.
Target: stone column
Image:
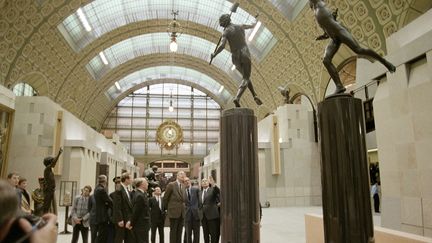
[(239, 176), (344, 171)]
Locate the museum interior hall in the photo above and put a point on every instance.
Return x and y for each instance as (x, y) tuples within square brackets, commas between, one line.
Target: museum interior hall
[(308, 120)]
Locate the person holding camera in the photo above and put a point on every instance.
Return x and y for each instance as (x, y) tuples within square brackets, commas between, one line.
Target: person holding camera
[(16, 228)]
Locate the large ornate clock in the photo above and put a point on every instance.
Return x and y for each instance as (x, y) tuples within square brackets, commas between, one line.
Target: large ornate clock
[(169, 135)]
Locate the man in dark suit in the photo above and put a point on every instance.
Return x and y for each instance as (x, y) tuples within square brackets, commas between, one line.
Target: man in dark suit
[(157, 215), (209, 200), (103, 203), (192, 220), (174, 202), (122, 210), (140, 220)]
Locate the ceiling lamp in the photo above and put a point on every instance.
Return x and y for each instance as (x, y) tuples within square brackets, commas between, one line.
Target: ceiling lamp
[(174, 30), (171, 107)]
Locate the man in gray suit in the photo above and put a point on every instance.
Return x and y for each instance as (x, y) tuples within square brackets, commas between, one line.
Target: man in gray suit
[(209, 199), (192, 220), (174, 201)]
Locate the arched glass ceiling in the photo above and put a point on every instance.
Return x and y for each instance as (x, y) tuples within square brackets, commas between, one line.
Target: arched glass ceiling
[(102, 16), (147, 44), (289, 8), (169, 72)]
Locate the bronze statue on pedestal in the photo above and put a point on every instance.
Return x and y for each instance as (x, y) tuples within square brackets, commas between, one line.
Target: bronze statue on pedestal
[(49, 183), (241, 58), (339, 34)]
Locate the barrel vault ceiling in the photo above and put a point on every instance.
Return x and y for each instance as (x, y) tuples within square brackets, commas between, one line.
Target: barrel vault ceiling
[(33, 50)]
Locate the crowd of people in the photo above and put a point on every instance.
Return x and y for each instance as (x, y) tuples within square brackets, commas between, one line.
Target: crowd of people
[(128, 214)]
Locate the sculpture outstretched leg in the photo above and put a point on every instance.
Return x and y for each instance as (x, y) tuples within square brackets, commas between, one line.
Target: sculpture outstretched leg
[(355, 47), (252, 90), (240, 92), (330, 51)]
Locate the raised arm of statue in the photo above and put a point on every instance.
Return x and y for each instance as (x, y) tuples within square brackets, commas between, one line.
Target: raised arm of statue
[(220, 47), (53, 164), (248, 26)]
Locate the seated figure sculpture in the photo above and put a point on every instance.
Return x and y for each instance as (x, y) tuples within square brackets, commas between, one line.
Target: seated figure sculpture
[(241, 58), (338, 34)]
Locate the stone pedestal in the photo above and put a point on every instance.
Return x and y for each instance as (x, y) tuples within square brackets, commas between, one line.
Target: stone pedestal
[(344, 171), (239, 176)]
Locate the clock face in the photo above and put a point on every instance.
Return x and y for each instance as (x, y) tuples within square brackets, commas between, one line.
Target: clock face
[(169, 135)]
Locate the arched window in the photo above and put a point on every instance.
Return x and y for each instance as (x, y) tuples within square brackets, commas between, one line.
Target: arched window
[(24, 89), (140, 120)]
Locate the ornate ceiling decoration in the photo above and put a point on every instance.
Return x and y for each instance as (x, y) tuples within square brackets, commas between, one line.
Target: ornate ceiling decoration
[(33, 50)]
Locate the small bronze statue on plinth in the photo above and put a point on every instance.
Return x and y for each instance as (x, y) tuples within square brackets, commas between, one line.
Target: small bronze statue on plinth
[(49, 182), (339, 34), (241, 58), (285, 92)]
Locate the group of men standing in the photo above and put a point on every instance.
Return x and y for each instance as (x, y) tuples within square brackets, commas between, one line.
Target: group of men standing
[(187, 206), (134, 214)]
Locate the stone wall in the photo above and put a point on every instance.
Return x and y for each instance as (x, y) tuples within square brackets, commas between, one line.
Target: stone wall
[(32, 140), (403, 120), (297, 182)]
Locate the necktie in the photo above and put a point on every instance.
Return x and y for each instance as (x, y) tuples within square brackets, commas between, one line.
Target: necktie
[(188, 194), (159, 203), (203, 195)]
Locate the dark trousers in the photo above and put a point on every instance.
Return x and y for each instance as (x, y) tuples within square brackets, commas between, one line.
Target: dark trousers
[(141, 233), (192, 228), (176, 229), (101, 229), (211, 229), (376, 202), (122, 233), (93, 233), (48, 198), (84, 233), (160, 228)]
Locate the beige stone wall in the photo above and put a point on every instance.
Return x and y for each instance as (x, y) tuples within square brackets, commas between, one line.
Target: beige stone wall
[(32, 140), (403, 119), (299, 181)]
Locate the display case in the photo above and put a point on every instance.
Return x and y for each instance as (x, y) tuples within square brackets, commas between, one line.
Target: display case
[(68, 191)]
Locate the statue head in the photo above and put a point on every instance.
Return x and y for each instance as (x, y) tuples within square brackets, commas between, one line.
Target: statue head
[(48, 161), (155, 168), (224, 20)]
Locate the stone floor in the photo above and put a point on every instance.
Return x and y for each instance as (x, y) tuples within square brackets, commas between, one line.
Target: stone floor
[(279, 225)]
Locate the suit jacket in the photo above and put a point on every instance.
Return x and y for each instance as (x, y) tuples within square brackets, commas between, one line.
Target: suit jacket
[(174, 200), (103, 204), (156, 214), (141, 210), (208, 206), (122, 209), (192, 204)]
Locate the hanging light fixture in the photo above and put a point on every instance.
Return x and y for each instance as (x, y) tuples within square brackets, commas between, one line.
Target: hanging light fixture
[(174, 30), (171, 107)]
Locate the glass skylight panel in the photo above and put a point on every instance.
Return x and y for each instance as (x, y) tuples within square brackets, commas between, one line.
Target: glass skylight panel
[(158, 43), (289, 8), (104, 16), (168, 72)]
